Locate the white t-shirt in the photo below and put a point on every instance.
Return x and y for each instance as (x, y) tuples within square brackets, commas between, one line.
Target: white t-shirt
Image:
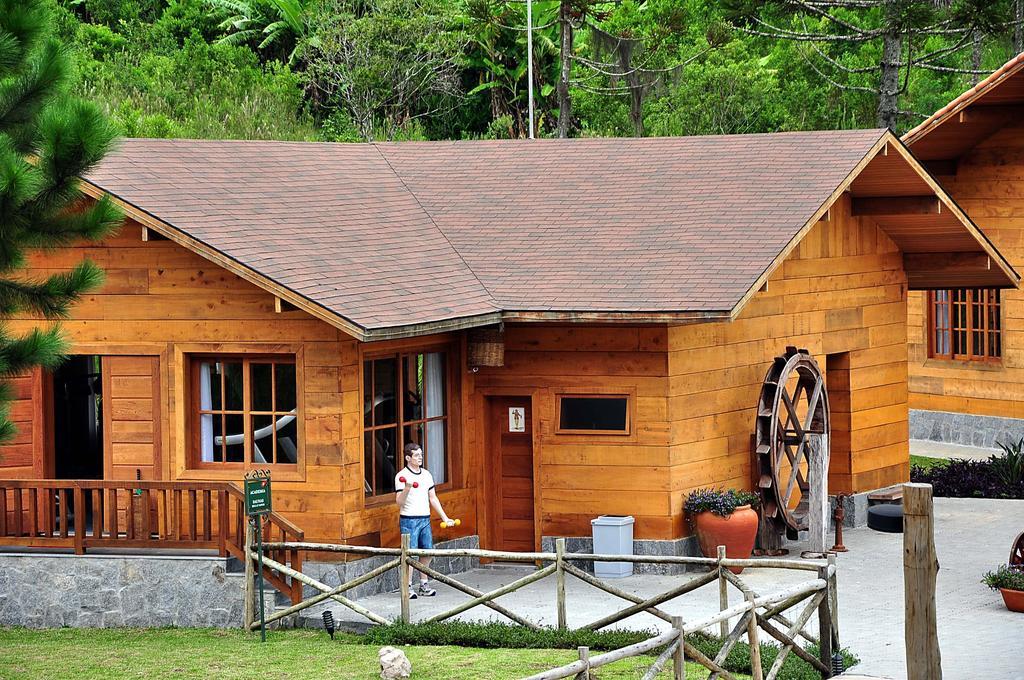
[(417, 503)]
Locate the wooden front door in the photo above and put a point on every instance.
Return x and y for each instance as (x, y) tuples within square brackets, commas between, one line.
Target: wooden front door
[(510, 423)]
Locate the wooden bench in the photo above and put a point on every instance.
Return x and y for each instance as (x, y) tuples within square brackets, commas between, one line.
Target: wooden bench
[(890, 494)]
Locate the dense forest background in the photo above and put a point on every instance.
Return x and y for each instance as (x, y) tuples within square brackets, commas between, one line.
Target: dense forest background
[(353, 70)]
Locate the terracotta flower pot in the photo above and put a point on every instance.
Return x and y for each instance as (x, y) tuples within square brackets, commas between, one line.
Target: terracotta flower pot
[(736, 532), (1013, 599)]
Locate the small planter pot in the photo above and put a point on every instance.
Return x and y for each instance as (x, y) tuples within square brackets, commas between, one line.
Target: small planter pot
[(737, 532), (1013, 599)]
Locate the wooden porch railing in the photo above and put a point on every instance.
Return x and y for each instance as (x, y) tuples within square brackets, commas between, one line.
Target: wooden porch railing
[(134, 514)]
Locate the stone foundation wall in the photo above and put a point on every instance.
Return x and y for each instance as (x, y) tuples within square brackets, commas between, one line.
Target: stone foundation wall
[(105, 591), (335, 573), (964, 429)]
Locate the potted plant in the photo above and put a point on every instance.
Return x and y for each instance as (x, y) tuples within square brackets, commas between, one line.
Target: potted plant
[(1009, 581), (724, 518)]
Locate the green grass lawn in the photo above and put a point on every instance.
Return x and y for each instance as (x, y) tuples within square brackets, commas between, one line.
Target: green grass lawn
[(205, 653), (927, 462)]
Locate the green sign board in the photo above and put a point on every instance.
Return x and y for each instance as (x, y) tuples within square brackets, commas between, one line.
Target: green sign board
[(257, 495)]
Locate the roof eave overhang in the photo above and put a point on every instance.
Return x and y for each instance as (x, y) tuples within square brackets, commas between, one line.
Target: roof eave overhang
[(887, 141), (965, 100), (182, 238), (996, 260)]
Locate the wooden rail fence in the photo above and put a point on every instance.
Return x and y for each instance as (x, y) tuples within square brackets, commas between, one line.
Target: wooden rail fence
[(756, 614), (135, 514)]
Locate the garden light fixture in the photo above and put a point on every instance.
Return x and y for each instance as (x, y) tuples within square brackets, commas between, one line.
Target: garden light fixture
[(329, 622)]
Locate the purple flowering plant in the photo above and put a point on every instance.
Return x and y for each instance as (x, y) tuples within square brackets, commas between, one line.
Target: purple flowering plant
[(719, 502)]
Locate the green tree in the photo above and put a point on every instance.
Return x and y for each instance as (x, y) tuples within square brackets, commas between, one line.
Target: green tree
[(388, 64), (280, 25), (901, 35), (47, 141)]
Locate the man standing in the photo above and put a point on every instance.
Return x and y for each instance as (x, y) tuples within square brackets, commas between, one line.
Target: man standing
[(415, 497)]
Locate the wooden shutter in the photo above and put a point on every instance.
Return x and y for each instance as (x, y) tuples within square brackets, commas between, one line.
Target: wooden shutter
[(22, 457), (131, 417)]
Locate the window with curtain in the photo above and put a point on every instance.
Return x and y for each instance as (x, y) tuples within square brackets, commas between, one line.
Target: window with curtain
[(405, 399), (245, 411), (964, 323)]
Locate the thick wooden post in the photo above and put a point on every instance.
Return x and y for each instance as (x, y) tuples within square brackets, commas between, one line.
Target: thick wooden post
[(403, 577), (756, 669), (585, 658), (825, 624), (920, 568), (560, 581), (817, 511), (250, 578), (679, 656), (723, 593)]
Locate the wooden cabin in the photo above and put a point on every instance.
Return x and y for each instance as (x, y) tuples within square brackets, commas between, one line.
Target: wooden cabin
[(570, 328), (967, 344)]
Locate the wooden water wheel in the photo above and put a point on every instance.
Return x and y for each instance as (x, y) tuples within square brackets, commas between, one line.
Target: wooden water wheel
[(1017, 552), (792, 409)]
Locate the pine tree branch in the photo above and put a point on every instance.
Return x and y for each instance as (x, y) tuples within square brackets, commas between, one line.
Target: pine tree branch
[(836, 20), (92, 223), (52, 297), (833, 83), (785, 34), (38, 347)]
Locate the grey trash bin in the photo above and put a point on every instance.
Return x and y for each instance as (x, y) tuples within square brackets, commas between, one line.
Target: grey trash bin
[(613, 535)]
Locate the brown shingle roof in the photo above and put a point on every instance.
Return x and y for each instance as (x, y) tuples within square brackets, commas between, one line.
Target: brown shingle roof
[(390, 235)]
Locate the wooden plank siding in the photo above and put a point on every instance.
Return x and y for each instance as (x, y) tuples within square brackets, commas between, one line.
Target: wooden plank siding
[(581, 476), (691, 388), (159, 302), (842, 290), (989, 186)]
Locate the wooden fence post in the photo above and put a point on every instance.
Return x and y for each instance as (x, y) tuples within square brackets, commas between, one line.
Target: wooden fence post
[(756, 669), (920, 568), (560, 581), (833, 601), (679, 656), (825, 623), (403, 577), (585, 658), (79, 518), (723, 593), (250, 578)]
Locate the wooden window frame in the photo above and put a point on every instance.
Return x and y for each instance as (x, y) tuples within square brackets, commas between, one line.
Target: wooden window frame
[(587, 395), (969, 302), (452, 415), (193, 362)]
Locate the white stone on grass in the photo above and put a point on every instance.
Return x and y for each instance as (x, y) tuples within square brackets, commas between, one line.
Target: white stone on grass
[(394, 664)]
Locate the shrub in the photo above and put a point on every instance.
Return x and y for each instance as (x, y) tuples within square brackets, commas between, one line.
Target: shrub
[(1001, 476), (722, 503), (491, 635), (1009, 467), (1006, 577), (502, 635)]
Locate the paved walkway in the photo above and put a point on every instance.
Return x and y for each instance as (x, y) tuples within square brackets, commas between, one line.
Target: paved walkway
[(979, 638), (924, 447)]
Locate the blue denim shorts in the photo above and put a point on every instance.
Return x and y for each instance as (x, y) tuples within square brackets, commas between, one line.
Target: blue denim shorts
[(418, 529)]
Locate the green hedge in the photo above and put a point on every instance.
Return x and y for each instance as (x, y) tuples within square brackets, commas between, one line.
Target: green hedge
[(501, 635)]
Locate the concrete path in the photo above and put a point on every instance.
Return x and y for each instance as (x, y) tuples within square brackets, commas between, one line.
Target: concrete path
[(924, 447), (979, 638)]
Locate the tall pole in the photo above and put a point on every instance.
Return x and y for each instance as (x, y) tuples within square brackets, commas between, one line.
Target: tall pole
[(529, 59)]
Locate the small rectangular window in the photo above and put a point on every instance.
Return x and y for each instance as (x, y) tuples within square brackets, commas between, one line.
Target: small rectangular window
[(964, 323), (593, 414)]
